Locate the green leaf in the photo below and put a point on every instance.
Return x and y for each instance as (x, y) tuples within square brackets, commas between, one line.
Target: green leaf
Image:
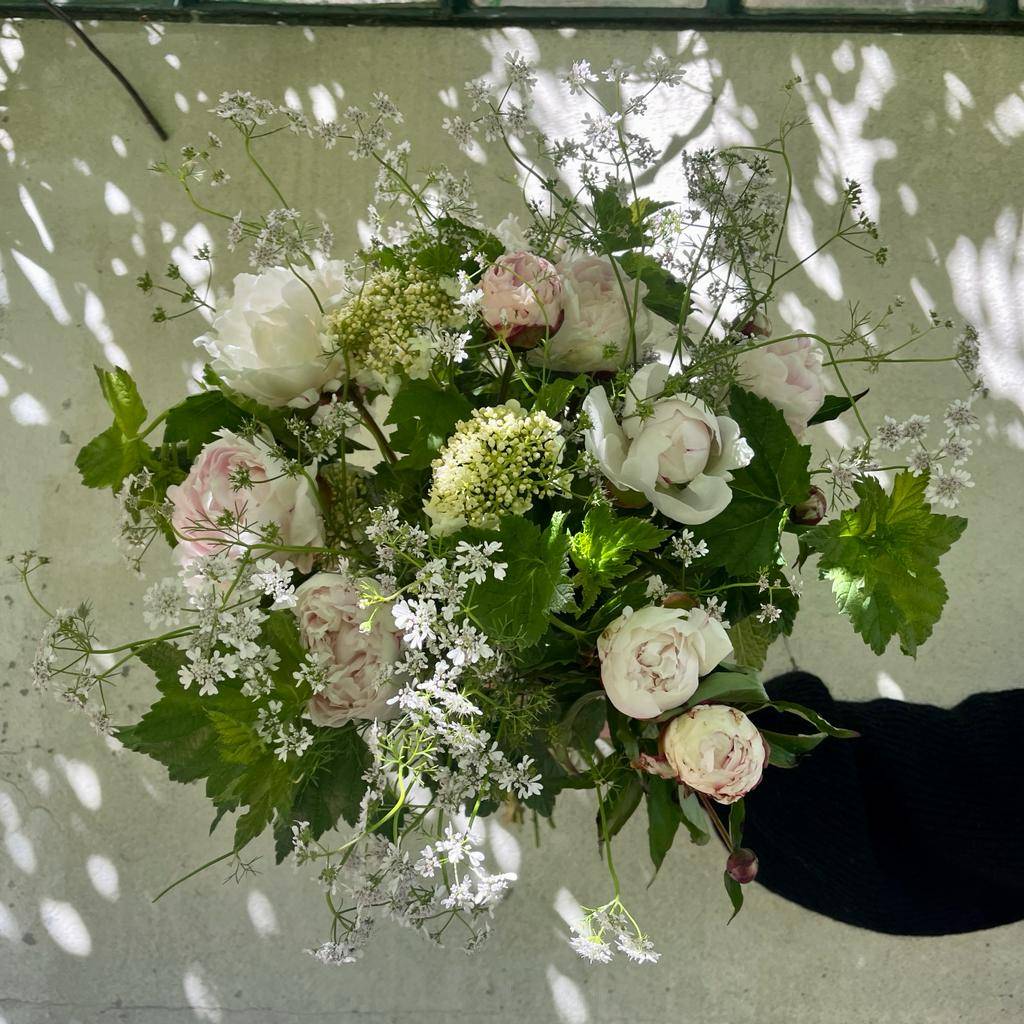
[(553, 397), (624, 800), (750, 641), (745, 536), (602, 550), (425, 416), (737, 816), (818, 721), (195, 421), (785, 750), (665, 295), (122, 396), (663, 818), (333, 790), (620, 227), (724, 688), (275, 419), (695, 818), (514, 611), (735, 891), (834, 406), (882, 558), (108, 458)]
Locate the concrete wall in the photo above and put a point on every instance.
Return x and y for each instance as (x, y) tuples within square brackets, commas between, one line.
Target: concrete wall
[(933, 127)]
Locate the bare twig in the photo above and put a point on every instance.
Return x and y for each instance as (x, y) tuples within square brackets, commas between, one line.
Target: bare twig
[(109, 65)]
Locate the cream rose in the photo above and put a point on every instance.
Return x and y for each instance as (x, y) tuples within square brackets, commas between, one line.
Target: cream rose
[(272, 497), (789, 374), (716, 750), (652, 659), (522, 298), (356, 662), (680, 457), (270, 343), (596, 329)]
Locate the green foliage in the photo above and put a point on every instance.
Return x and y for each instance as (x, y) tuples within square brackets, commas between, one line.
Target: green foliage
[(665, 295), (745, 536), (663, 818), (122, 396), (194, 421), (785, 749), (725, 688), (553, 397), (514, 611), (274, 419), (834, 406), (750, 642), (882, 558), (619, 802), (425, 416), (622, 227), (602, 550)]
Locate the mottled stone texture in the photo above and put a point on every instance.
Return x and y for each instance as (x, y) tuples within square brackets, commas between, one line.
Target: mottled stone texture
[(933, 127)]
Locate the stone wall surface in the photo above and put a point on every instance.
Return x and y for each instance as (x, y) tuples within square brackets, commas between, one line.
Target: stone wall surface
[(933, 126)]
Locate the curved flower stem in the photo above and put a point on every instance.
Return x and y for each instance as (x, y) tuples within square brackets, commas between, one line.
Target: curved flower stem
[(191, 874)]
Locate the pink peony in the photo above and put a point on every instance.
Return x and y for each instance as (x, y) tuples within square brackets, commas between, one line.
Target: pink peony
[(356, 662), (273, 497), (789, 374), (523, 298)]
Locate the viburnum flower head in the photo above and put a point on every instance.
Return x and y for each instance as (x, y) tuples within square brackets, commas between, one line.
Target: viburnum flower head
[(595, 331), (522, 298), (789, 374), (270, 341), (716, 750), (652, 659), (496, 463), (680, 455), (270, 498), (354, 658)]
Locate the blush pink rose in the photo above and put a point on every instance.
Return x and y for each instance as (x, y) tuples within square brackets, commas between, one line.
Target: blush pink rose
[(716, 750), (273, 497), (358, 684), (523, 298)]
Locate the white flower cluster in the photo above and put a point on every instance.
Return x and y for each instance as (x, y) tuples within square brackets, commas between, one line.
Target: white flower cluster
[(496, 463)]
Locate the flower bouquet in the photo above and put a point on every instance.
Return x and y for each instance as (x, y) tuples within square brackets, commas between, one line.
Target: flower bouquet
[(476, 516)]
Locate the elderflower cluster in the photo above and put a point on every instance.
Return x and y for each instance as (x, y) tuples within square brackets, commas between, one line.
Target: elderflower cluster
[(497, 463), (385, 326)]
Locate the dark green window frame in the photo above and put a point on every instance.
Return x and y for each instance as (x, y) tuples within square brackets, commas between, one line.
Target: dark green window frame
[(997, 17)]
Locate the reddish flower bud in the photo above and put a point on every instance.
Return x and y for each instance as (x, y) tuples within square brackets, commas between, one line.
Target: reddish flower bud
[(742, 865), (757, 326), (812, 511), (679, 599)]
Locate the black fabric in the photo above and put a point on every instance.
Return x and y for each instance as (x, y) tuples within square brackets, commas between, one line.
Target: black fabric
[(915, 828)]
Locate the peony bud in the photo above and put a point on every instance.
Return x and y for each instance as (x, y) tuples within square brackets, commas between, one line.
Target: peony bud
[(679, 599), (757, 326), (811, 511), (742, 865)]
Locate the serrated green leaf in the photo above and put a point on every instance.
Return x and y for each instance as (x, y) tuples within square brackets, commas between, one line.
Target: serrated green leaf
[(425, 417), (882, 558), (514, 611), (195, 421), (552, 398), (750, 642), (745, 536), (237, 741), (665, 296), (603, 548), (108, 458), (122, 396)]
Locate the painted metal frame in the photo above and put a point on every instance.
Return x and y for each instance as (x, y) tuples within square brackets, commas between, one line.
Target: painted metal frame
[(999, 17)]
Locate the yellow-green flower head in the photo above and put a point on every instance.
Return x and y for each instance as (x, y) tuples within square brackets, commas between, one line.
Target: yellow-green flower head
[(496, 463), (382, 326)]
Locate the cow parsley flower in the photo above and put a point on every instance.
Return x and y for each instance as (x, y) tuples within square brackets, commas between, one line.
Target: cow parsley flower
[(945, 486), (497, 463)]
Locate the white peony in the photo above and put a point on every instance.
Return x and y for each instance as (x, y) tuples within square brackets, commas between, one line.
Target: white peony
[(789, 374), (716, 750), (270, 344), (357, 662), (680, 457), (652, 659), (595, 330)]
